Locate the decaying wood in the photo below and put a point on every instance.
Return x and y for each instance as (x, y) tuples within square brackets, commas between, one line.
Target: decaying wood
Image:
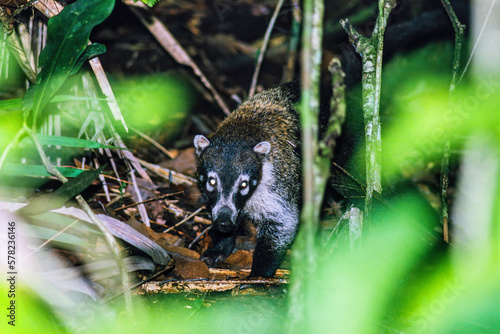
[(218, 284)]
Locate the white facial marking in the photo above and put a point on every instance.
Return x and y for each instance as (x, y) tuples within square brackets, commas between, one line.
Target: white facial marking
[(213, 182), (243, 185)]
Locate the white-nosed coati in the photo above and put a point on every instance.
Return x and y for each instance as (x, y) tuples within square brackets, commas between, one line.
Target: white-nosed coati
[(249, 168)]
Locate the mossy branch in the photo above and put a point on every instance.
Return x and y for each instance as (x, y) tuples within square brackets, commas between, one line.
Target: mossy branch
[(459, 29), (445, 161), (371, 51)]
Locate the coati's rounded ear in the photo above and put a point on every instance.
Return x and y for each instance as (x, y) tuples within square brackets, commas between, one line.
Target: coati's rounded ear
[(200, 143), (262, 148)]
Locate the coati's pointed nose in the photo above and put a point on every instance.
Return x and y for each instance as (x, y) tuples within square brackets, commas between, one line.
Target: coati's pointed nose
[(224, 220)]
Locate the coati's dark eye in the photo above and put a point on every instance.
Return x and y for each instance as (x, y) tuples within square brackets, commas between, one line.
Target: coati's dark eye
[(243, 185), (212, 181)]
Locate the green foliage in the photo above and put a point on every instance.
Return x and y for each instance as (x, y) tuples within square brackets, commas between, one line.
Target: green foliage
[(66, 141), (63, 194), (397, 280), (40, 314), (361, 283), (8, 105), (13, 169), (93, 50), (68, 36), (66, 50), (150, 3), (11, 120)]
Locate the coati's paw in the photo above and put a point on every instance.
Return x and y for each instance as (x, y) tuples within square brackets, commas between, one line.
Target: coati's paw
[(211, 257)]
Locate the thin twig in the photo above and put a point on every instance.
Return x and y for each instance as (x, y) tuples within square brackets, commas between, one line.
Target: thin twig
[(263, 49), (141, 207), (459, 29), (304, 257), (445, 181), (198, 237), (289, 69), (103, 81), (153, 142), (148, 201), (183, 221)]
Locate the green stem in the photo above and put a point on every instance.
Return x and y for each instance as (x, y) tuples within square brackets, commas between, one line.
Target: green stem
[(445, 162)]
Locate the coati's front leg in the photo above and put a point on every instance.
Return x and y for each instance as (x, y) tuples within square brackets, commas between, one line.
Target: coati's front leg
[(223, 245), (273, 240)]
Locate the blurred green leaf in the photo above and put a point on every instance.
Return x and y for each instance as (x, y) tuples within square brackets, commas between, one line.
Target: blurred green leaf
[(66, 141), (11, 121), (13, 169), (30, 303), (10, 104), (157, 102), (60, 196), (68, 35), (362, 282), (150, 3), (72, 98)]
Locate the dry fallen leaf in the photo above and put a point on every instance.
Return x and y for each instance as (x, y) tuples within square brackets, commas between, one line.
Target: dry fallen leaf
[(240, 259), (187, 268)]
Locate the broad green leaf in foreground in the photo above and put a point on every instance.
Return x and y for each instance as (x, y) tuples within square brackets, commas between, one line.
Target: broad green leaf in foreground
[(68, 36)]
